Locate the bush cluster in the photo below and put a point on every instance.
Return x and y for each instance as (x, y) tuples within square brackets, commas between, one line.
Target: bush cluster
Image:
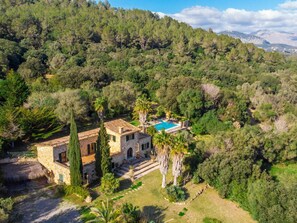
[(176, 194), (69, 190), (109, 183)]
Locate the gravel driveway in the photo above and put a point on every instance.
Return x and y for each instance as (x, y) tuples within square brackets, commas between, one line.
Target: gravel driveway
[(37, 204), (47, 210)]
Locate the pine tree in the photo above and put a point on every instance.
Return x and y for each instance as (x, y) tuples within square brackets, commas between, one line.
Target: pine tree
[(13, 90), (74, 155), (104, 150)]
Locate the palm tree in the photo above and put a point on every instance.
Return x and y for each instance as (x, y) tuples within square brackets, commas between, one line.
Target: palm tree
[(99, 105), (178, 151), (162, 141), (130, 213), (106, 213), (142, 107)]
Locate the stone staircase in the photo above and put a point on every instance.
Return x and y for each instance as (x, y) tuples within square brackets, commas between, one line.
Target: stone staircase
[(141, 168)]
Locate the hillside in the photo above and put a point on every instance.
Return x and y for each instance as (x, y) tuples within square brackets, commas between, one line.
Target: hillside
[(77, 36)]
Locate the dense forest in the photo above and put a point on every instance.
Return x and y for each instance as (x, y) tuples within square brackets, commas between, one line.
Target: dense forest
[(58, 56)]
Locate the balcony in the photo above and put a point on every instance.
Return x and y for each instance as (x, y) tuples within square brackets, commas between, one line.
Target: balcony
[(85, 160), (88, 159)]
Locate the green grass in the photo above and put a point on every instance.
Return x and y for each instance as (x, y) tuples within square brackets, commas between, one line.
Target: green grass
[(151, 201), (211, 220), (136, 185), (135, 122), (285, 173)]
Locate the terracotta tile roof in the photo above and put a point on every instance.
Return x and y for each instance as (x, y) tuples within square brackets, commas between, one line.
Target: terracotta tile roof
[(115, 126), (64, 140)]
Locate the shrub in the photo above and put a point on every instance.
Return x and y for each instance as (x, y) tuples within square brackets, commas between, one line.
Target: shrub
[(151, 130), (109, 184), (175, 194), (80, 191), (130, 213), (137, 185), (209, 124), (265, 112), (5, 208), (3, 216), (1, 147), (117, 198), (6, 204), (211, 220), (196, 178), (181, 213)]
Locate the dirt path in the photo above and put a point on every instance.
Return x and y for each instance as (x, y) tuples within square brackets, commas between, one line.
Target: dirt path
[(36, 204)]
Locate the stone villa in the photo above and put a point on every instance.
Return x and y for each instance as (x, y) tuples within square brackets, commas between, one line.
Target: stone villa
[(126, 141)]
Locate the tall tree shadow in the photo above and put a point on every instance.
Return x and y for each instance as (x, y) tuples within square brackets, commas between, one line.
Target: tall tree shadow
[(153, 213)]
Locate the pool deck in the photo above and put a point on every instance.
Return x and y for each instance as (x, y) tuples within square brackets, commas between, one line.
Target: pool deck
[(175, 129)]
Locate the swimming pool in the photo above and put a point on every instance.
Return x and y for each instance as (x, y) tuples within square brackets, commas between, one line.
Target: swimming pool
[(165, 125)]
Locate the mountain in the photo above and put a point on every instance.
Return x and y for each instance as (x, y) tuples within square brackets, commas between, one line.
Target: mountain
[(284, 48), (276, 37), (269, 40), (245, 38)]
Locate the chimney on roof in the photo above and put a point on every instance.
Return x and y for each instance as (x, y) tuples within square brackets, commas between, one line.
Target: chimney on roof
[(121, 130)]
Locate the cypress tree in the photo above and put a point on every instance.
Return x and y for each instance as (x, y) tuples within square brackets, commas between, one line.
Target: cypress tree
[(74, 155), (98, 156), (104, 150)]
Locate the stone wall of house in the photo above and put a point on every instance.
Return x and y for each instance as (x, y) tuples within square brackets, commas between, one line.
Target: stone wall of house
[(61, 173), (84, 144), (118, 159), (45, 156), (89, 172), (57, 150), (147, 150), (115, 146), (48, 155), (83, 147), (133, 143)]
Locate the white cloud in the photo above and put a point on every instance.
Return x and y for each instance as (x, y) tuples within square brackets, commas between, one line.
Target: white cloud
[(289, 5), (281, 19)]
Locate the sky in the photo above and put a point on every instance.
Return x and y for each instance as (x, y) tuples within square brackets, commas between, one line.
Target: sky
[(237, 15)]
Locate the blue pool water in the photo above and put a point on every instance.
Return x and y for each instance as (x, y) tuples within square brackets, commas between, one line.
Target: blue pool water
[(164, 125)]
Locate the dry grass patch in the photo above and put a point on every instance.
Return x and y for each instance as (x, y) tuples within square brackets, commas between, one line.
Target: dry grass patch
[(150, 199)]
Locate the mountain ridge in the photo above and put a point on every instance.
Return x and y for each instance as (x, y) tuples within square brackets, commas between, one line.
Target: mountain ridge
[(284, 42)]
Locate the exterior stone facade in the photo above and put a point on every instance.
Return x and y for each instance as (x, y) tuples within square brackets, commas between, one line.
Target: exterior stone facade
[(126, 142)]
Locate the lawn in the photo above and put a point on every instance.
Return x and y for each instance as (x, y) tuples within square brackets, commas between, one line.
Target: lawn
[(150, 199), (285, 173), (135, 122)]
